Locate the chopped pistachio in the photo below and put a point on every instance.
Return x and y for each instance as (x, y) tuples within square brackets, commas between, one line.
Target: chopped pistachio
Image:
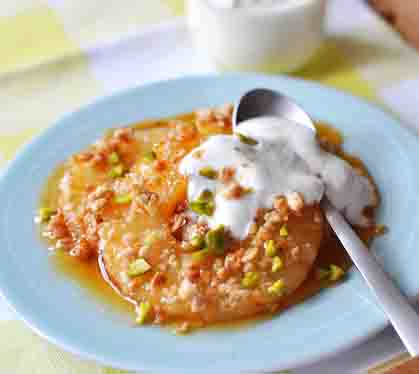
[(250, 279), (276, 264), (116, 171), (206, 195), (322, 274), (246, 139), (270, 248), (113, 158), (198, 242), (205, 129), (200, 256), (204, 205), (109, 133), (138, 267), (380, 229), (208, 172), (45, 214), (205, 208), (215, 240), (124, 198), (277, 288), (247, 190), (143, 311), (283, 231), (182, 329), (335, 273), (151, 237), (150, 156)]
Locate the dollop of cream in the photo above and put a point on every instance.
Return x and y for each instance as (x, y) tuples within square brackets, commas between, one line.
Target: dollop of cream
[(286, 159)]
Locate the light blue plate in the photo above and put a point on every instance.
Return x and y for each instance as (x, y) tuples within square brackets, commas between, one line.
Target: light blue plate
[(338, 318)]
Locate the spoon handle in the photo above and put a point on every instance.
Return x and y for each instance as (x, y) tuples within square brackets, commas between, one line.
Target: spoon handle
[(400, 313)]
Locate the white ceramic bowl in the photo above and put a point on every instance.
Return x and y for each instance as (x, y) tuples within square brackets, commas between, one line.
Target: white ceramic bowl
[(280, 38)]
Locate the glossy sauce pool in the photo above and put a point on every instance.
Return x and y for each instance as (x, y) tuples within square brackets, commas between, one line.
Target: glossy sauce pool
[(89, 277)]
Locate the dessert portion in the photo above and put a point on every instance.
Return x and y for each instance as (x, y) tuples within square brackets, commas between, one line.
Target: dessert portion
[(196, 225), (269, 157)]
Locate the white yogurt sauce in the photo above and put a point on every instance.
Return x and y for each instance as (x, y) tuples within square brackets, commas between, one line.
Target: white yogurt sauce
[(286, 159)]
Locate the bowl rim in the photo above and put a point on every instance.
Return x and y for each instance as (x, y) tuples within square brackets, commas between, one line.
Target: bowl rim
[(271, 11)]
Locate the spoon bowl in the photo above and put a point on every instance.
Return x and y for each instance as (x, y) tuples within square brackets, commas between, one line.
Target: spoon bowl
[(262, 102)]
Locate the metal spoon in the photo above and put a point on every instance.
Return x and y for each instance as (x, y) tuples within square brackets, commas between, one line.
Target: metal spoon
[(263, 102)]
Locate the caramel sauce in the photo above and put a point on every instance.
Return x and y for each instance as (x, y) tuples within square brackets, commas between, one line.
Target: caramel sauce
[(88, 274), (89, 277)]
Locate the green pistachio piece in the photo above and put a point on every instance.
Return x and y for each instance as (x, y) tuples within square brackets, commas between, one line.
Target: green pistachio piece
[(270, 248), (250, 279), (214, 240), (138, 267), (246, 139), (208, 172), (277, 288), (143, 312), (124, 198)]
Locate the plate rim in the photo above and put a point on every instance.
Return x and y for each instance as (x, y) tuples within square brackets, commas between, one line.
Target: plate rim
[(60, 122)]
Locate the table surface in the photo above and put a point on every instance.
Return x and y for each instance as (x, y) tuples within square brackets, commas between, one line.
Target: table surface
[(379, 58)]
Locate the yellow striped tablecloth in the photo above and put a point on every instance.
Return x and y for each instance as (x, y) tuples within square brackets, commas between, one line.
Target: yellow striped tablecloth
[(53, 59)]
